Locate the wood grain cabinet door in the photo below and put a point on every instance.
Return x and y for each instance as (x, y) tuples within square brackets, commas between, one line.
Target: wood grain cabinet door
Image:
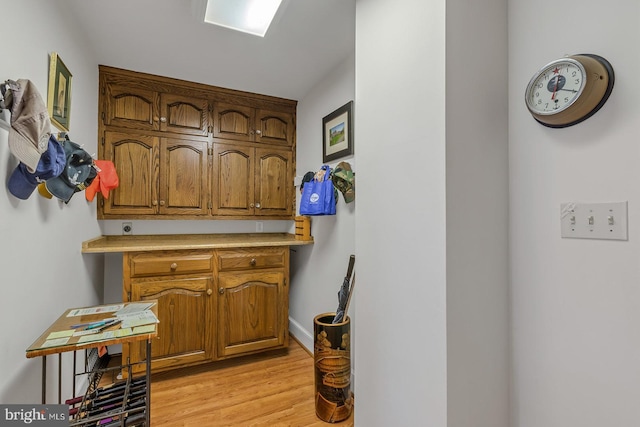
[(251, 309), (232, 181), (134, 156), (184, 177), (234, 122), (185, 331), (274, 127), (274, 186), (187, 115), (130, 106)]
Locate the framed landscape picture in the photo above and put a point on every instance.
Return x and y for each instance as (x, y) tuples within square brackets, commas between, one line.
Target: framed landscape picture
[(59, 95), (337, 133)]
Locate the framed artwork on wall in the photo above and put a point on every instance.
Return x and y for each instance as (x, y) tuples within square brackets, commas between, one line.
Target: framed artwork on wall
[(337, 133), (59, 95)]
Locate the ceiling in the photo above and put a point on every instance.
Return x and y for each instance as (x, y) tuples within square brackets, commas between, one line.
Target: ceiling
[(169, 38)]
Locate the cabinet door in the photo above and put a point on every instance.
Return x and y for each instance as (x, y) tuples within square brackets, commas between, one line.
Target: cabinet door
[(252, 311), (182, 114), (130, 106), (274, 185), (134, 156), (233, 122), (185, 329), (274, 127), (184, 177), (232, 182)]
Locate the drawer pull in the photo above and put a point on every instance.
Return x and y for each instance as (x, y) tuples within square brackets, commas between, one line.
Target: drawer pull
[(221, 291), (252, 262), (209, 291), (174, 266)]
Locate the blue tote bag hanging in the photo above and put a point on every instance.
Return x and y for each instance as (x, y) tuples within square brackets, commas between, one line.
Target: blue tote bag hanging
[(318, 197)]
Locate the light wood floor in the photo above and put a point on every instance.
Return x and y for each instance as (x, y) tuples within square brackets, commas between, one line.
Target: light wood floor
[(273, 389)]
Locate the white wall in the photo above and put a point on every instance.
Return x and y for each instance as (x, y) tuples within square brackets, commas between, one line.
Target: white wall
[(431, 229), (401, 219), (317, 270), (477, 214), (575, 303), (43, 271)]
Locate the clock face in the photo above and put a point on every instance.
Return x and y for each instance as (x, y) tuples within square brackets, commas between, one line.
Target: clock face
[(555, 87)]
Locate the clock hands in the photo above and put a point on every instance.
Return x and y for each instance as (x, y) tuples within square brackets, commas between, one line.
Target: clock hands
[(555, 88), (555, 84)]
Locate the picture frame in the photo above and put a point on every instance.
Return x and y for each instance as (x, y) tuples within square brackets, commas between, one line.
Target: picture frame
[(59, 94), (337, 133)]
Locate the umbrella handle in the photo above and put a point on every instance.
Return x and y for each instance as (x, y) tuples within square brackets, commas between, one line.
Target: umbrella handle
[(352, 261)]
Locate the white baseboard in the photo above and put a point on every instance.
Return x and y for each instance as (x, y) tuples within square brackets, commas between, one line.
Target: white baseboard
[(302, 335)]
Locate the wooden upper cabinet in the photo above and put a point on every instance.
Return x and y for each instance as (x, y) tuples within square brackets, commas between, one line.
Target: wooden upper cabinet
[(134, 156), (130, 106), (233, 121), (273, 182), (274, 127), (237, 122), (157, 175), (184, 177), (142, 107), (188, 115), (233, 180), (186, 150), (250, 181)]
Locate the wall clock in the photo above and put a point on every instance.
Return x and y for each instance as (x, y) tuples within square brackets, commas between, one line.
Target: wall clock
[(569, 90)]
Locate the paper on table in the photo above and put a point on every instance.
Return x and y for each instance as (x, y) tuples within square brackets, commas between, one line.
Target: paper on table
[(134, 308), (60, 334), (123, 332), (108, 335), (145, 329), (145, 318), (55, 342), (95, 310)]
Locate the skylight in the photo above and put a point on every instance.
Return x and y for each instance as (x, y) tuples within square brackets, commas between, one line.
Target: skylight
[(248, 16)]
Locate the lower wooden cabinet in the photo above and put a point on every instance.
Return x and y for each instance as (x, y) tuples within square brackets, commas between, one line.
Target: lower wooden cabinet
[(185, 329), (251, 312), (212, 304)]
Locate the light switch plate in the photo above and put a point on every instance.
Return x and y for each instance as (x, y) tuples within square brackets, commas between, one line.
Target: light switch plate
[(594, 220)]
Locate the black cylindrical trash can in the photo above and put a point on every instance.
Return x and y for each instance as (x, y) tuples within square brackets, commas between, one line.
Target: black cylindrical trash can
[(332, 360)]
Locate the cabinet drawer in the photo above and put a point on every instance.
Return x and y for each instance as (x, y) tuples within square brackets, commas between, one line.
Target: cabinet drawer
[(165, 263), (243, 259)]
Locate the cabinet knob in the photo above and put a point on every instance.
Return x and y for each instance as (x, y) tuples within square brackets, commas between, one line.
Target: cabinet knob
[(163, 119), (154, 203), (156, 118), (259, 132), (161, 202), (174, 266), (258, 206), (221, 291), (252, 262), (209, 291), (251, 205)]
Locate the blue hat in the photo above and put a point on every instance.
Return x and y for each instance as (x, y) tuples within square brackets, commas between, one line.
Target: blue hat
[(22, 182), (77, 175)]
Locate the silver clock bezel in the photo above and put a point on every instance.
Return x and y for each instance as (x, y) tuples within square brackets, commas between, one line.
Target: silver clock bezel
[(528, 97)]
